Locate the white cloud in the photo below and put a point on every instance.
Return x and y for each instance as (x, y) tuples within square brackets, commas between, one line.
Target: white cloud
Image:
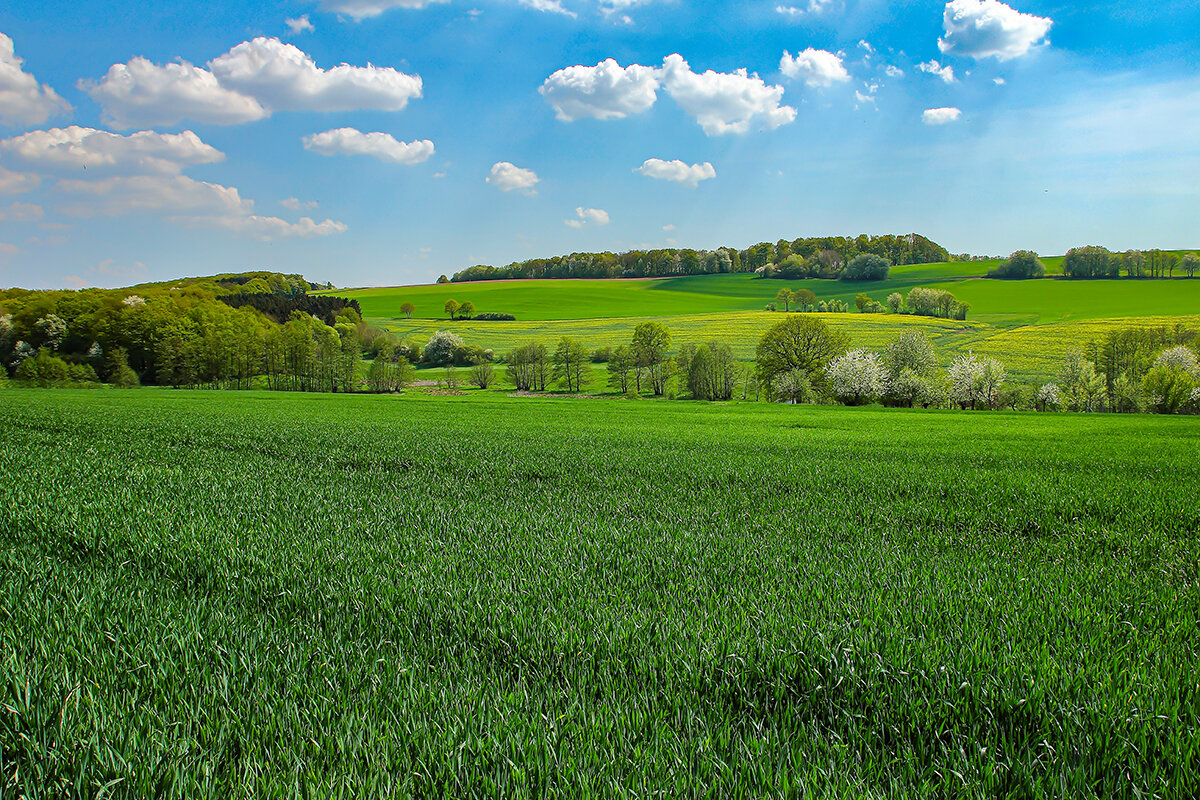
[(22, 101), (865, 45), (863, 98), (816, 67), (269, 228), (990, 29), (7, 249), (507, 176), (359, 10), (587, 216), (999, 81), (893, 72), (725, 102), (170, 194), (143, 93), (300, 25), (251, 81), (353, 142), (677, 171), (296, 204), (21, 212), (17, 182), (285, 78), (551, 6), (668, 228), (813, 7), (605, 91), (74, 149), (945, 72), (184, 201), (940, 116)]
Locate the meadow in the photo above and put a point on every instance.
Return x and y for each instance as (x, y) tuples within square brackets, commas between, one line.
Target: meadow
[(1029, 301), (1029, 325), (266, 595)]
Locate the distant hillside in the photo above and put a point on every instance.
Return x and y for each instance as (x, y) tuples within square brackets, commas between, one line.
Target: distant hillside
[(824, 255)]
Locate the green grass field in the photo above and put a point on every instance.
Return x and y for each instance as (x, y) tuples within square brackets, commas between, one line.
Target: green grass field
[(1028, 325), (991, 300), (266, 595)]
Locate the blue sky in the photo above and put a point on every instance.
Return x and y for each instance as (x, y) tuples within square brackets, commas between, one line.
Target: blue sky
[(187, 139)]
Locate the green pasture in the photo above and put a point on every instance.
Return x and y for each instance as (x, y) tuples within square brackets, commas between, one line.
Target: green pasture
[(992, 301), (242, 594), (1029, 351)]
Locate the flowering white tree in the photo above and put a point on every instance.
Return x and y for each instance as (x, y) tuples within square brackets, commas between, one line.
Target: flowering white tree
[(133, 301), (975, 381), (1181, 358), (1083, 388), (856, 377), (1048, 397), (441, 348)]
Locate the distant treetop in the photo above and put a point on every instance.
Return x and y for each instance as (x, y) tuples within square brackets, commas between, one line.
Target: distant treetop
[(829, 253)]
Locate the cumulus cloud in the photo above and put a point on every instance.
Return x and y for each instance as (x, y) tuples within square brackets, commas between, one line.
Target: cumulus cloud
[(184, 201), (990, 29), (296, 204), (816, 67), (250, 82), (141, 92), (587, 216), (269, 228), (893, 71), (168, 194), (725, 102), (359, 10), (7, 249), (353, 142), (17, 182), (21, 212), (945, 72), (111, 174), (507, 176), (721, 102), (22, 100), (812, 7), (300, 25), (285, 78), (74, 148), (677, 171), (605, 91), (551, 6), (940, 116)]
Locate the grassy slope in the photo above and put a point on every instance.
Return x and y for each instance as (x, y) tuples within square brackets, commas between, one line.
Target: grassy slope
[(1028, 325), (238, 597), (991, 301)]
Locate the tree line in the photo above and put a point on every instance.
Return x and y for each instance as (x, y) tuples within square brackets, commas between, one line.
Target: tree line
[(832, 253)]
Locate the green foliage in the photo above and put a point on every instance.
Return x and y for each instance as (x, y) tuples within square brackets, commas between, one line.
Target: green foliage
[(1169, 390), (1020, 265), (800, 342), (651, 342), (866, 267), (528, 367), (570, 361), (1090, 262), (798, 258)]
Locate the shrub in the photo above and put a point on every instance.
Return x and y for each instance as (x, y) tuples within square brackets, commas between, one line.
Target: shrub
[(493, 316), (441, 348), (866, 267), (1020, 265)]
